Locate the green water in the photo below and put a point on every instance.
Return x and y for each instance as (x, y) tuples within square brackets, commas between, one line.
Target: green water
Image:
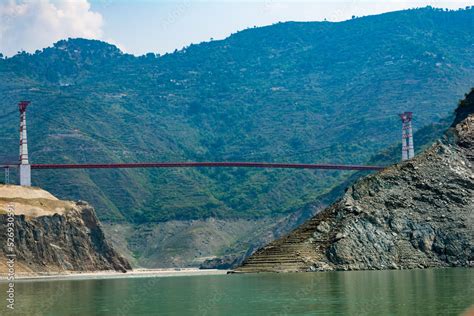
[(416, 292)]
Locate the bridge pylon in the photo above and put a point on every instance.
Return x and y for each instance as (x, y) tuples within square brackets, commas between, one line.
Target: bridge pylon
[(24, 173), (408, 149)]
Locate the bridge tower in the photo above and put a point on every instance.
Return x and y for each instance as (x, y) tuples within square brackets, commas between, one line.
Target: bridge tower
[(7, 175), (24, 167), (408, 149)]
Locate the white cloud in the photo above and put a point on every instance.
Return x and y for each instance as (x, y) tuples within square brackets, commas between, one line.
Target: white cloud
[(32, 24)]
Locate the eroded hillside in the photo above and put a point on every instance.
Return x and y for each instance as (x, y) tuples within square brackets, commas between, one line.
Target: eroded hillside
[(416, 214), (51, 235)]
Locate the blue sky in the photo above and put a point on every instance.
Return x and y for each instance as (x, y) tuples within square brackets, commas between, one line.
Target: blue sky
[(162, 26), (159, 26)]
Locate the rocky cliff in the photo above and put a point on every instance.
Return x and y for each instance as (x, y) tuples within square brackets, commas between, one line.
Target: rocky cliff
[(415, 214), (51, 235)]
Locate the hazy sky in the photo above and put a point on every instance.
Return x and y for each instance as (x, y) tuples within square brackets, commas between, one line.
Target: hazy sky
[(161, 26)]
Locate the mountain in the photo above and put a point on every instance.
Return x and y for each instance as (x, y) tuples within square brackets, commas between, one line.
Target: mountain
[(415, 214), (300, 92)]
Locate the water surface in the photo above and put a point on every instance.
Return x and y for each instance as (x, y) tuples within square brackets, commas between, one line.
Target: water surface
[(414, 292)]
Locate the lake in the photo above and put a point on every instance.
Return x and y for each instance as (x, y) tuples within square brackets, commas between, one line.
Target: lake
[(408, 292)]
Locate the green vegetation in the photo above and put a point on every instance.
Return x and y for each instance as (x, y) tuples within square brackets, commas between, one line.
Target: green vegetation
[(299, 92)]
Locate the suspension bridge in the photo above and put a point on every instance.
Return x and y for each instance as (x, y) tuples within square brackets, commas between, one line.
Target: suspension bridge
[(24, 166)]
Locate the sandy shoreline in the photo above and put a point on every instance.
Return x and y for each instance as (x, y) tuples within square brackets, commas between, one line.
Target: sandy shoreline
[(138, 273)]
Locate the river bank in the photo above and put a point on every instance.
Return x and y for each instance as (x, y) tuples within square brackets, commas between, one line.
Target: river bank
[(112, 274)]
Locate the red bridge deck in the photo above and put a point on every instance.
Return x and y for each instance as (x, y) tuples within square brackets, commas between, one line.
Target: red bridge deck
[(206, 164)]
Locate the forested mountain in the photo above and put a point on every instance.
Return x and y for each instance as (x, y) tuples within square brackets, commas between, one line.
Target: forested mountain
[(291, 92)]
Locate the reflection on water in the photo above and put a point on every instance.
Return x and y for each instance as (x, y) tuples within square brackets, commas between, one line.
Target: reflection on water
[(416, 292)]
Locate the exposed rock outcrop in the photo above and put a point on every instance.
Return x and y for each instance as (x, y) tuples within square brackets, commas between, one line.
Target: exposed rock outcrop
[(54, 236), (225, 263), (415, 214)]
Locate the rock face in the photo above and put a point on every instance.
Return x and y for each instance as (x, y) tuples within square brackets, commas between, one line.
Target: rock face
[(415, 214), (225, 263), (54, 236)]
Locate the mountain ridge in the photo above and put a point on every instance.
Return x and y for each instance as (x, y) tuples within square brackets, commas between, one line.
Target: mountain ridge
[(281, 100), (291, 92)]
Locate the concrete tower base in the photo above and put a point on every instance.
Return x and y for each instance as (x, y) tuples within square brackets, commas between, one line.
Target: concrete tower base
[(25, 175)]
